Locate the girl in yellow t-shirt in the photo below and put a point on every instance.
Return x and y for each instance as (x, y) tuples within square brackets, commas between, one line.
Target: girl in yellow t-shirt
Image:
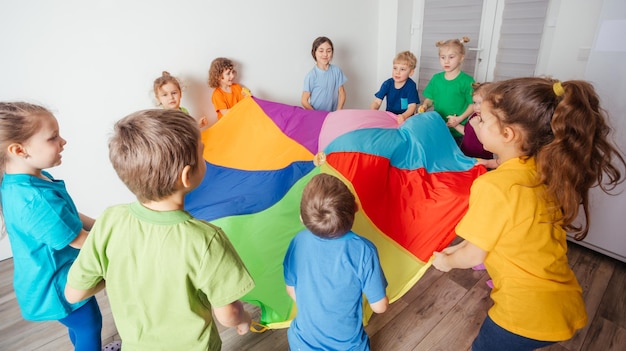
[(551, 139)]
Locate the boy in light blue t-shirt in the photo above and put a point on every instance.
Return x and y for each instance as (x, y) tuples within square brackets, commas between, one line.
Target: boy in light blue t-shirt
[(329, 268)]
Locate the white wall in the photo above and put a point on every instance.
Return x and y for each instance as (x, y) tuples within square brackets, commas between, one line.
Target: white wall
[(569, 51), (568, 36), (93, 62)]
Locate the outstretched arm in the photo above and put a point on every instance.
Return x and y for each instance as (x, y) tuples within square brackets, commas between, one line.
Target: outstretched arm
[(88, 222), (463, 255), (342, 98), (410, 111), (233, 315), (381, 305), (291, 291), (376, 104), (74, 295), (305, 100), (425, 105), (79, 240)]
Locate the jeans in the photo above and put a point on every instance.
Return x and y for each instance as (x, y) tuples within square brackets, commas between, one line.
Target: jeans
[(85, 326), (492, 337)]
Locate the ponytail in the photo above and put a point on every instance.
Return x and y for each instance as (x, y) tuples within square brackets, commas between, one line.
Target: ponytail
[(564, 128), (581, 150)]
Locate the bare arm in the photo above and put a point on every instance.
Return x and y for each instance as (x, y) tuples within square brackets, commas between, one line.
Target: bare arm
[(342, 98), (381, 305), (291, 291), (305, 100), (428, 103), (376, 104), (74, 295), (463, 255), (78, 242), (223, 112), (410, 111), (454, 121), (88, 222), (233, 315)]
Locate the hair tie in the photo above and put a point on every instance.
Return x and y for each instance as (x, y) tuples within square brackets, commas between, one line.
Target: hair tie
[(558, 88)]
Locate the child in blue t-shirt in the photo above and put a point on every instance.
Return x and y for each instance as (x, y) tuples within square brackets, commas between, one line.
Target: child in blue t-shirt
[(323, 85), (45, 229), (329, 268), (400, 89)]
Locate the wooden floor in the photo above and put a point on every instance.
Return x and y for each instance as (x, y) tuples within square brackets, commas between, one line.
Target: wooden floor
[(441, 312)]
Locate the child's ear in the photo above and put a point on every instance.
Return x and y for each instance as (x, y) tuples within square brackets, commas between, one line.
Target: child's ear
[(185, 176), (356, 207), (17, 150), (509, 134)]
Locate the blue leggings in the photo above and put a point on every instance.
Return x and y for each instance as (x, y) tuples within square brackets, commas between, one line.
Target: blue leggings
[(493, 337), (85, 326)]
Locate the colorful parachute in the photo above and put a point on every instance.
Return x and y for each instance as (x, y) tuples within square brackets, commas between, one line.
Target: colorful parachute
[(411, 181)]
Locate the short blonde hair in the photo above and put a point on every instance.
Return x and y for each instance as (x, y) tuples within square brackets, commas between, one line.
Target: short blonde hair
[(149, 148), (406, 58)]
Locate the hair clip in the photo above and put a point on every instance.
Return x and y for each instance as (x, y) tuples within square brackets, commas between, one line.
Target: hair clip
[(558, 88)]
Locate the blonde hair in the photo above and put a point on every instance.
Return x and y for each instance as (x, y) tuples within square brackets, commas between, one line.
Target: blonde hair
[(165, 78), (480, 88), (406, 57), (455, 44)]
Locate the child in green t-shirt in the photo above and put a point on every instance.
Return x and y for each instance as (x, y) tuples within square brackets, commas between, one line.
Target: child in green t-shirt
[(166, 272), (450, 92)]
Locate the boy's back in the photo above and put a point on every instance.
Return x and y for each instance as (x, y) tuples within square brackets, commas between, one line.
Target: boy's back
[(330, 276), (163, 272)]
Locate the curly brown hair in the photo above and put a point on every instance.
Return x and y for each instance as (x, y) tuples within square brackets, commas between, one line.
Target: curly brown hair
[(563, 126), (218, 67)]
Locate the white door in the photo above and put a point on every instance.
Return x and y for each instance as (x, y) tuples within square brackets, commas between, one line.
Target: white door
[(505, 36)]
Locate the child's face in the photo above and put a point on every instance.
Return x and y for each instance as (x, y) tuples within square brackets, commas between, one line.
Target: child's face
[(169, 96), (477, 99), (324, 54), (228, 76), (450, 59), (401, 72), (488, 129), (44, 147)]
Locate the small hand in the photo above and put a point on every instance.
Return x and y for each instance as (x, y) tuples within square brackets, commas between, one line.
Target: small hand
[(244, 327), (421, 109), (453, 121), (439, 262), (401, 119)]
